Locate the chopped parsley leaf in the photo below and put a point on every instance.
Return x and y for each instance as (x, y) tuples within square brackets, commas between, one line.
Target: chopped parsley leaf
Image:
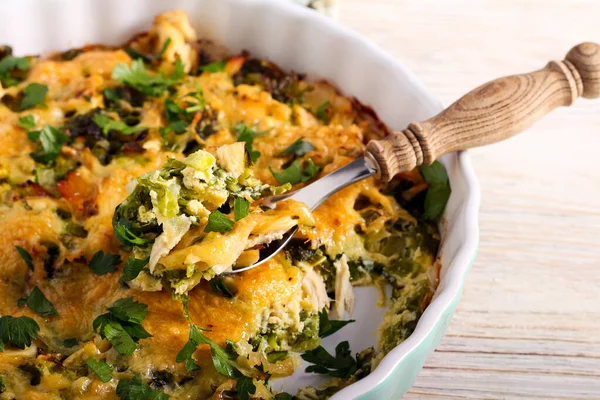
[(101, 369), (39, 303), (135, 389), (296, 172), (247, 135), (245, 387), (9, 64), (25, 256), (33, 95), (129, 310), (216, 66), (299, 148), (52, 140), (218, 222), (104, 263), (220, 357), (241, 207), (218, 285), (107, 124), (27, 122), (329, 326), (132, 268), (164, 48), (322, 113), (121, 326), (71, 342), (343, 365), (138, 77), (124, 234), (17, 331)]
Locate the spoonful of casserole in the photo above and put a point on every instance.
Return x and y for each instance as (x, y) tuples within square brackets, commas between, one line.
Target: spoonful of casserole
[(208, 214)]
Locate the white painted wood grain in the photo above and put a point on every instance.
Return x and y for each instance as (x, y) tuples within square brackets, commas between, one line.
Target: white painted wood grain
[(528, 325)]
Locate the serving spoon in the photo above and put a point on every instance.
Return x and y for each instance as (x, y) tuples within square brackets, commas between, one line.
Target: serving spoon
[(492, 112)]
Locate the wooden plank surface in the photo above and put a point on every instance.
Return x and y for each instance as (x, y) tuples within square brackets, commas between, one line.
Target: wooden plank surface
[(528, 325)]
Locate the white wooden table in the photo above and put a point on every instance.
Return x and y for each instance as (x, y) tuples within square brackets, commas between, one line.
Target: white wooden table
[(528, 325)]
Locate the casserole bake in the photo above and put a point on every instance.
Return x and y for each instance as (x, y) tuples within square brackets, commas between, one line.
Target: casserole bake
[(83, 205)]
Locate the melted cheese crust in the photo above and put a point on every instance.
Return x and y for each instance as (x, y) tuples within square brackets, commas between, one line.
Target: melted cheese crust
[(92, 191)]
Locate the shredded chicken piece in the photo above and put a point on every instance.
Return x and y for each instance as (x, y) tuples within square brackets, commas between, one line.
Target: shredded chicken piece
[(344, 296)]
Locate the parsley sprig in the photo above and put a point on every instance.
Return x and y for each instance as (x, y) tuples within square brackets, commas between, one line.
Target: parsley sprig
[(247, 135), (297, 172), (10, 65), (51, 139), (241, 208), (322, 111), (216, 66), (135, 389), (342, 365), (220, 357), (330, 326), (223, 287), (33, 95), (180, 116), (25, 256), (27, 122), (101, 369), (218, 222), (139, 78), (108, 124), (17, 332), (104, 263), (299, 148), (122, 325), (132, 268), (39, 303)]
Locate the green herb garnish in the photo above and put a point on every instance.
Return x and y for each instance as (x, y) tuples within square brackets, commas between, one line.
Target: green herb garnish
[(245, 387), (135, 389), (107, 124), (299, 148), (138, 77), (216, 66), (104, 263), (438, 192), (220, 357), (343, 365), (132, 268), (121, 326), (218, 285), (33, 95), (25, 256), (17, 331), (247, 135), (52, 140), (329, 326), (101, 369), (321, 112), (9, 64), (296, 172), (39, 303), (126, 236), (71, 342), (27, 122), (218, 222), (241, 207)]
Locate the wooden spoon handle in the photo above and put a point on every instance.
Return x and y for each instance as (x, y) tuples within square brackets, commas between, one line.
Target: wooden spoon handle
[(492, 112)]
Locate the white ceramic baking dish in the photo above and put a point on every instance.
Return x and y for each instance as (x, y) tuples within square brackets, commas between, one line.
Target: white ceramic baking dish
[(299, 39)]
